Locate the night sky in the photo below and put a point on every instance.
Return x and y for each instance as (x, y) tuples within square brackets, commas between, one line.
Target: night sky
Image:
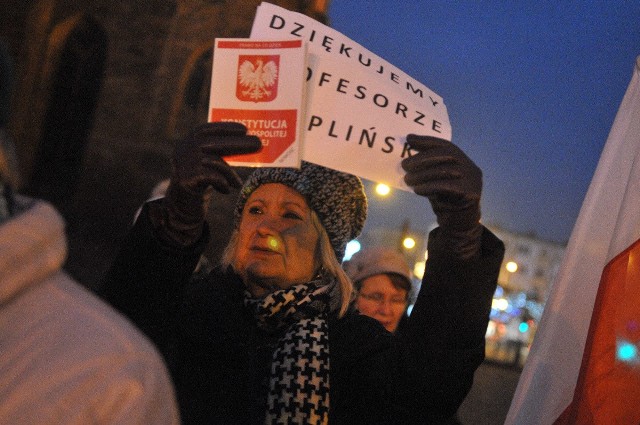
[(531, 88)]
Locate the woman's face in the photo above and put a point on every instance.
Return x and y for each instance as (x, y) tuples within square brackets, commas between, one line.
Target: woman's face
[(277, 241), (380, 299)]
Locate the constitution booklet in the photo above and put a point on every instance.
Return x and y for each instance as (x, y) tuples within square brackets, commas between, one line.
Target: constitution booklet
[(261, 85)]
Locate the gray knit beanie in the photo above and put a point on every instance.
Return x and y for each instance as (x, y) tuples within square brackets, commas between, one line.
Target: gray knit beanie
[(337, 198)]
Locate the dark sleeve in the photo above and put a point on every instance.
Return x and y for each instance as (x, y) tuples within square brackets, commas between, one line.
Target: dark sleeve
[(146, 278), (442, 343)]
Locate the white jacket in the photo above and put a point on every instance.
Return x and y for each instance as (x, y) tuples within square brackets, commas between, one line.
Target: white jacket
[(65, 356)]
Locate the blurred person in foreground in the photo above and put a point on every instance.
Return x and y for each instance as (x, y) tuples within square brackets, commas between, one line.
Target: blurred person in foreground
[(66, 357), (382, 281), (268, 336)]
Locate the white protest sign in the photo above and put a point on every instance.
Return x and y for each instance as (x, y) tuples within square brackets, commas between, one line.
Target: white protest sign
[(359, 107)]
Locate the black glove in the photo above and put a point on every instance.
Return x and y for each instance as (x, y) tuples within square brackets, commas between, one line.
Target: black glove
[(197, 166), (453, 184)]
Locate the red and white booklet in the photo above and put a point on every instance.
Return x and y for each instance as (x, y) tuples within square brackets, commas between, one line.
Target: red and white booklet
[(261, 85)]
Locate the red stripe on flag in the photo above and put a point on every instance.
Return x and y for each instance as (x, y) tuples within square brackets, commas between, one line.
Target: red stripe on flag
[(608, 387)]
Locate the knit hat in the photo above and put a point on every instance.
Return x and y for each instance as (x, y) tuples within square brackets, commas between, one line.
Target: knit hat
[(376, 260), (337, 198)]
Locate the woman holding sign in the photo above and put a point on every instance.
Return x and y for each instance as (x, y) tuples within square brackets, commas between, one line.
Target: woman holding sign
[(270, 336)]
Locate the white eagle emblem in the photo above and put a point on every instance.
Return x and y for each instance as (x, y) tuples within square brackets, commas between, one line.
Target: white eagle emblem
[(257, 80)]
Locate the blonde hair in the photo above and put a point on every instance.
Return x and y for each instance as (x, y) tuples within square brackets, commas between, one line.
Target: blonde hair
[(324, 252)]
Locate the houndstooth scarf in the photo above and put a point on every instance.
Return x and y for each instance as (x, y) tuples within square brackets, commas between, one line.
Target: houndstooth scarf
[(299, 381)]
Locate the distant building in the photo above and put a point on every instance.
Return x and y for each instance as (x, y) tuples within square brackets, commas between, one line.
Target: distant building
[(537, 262)]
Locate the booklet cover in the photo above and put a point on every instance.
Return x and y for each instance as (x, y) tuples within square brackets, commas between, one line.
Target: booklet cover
[(261, 85)]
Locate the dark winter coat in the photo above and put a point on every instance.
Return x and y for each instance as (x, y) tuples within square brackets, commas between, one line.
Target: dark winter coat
[(220, 360)]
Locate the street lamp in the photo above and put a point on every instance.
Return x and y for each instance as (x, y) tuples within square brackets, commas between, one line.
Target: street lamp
[(511, 267), (419, 268), (382, 189), (409, 242), (352, 247)]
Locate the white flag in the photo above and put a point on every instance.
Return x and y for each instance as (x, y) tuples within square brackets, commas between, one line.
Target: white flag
[(584, 365)]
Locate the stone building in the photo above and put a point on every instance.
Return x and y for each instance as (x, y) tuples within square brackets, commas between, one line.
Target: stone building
[(101, 91)]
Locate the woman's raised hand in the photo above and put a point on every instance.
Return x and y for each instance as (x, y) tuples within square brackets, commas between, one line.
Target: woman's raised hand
[(452, 182), (197, 165)]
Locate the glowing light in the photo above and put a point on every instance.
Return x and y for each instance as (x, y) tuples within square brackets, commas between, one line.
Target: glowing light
[(491, 329), (352, 247), (273, 243), (500, 304), (511, 266), (626, 351), (382, 189), (418, 269), (523, 327), (409, 243)]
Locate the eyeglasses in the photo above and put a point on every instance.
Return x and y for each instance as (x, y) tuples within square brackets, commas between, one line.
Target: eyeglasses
[(379, 298)]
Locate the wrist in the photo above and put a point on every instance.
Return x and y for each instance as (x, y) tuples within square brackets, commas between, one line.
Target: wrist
[(463, 244), (173, 226), (460, 229)]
